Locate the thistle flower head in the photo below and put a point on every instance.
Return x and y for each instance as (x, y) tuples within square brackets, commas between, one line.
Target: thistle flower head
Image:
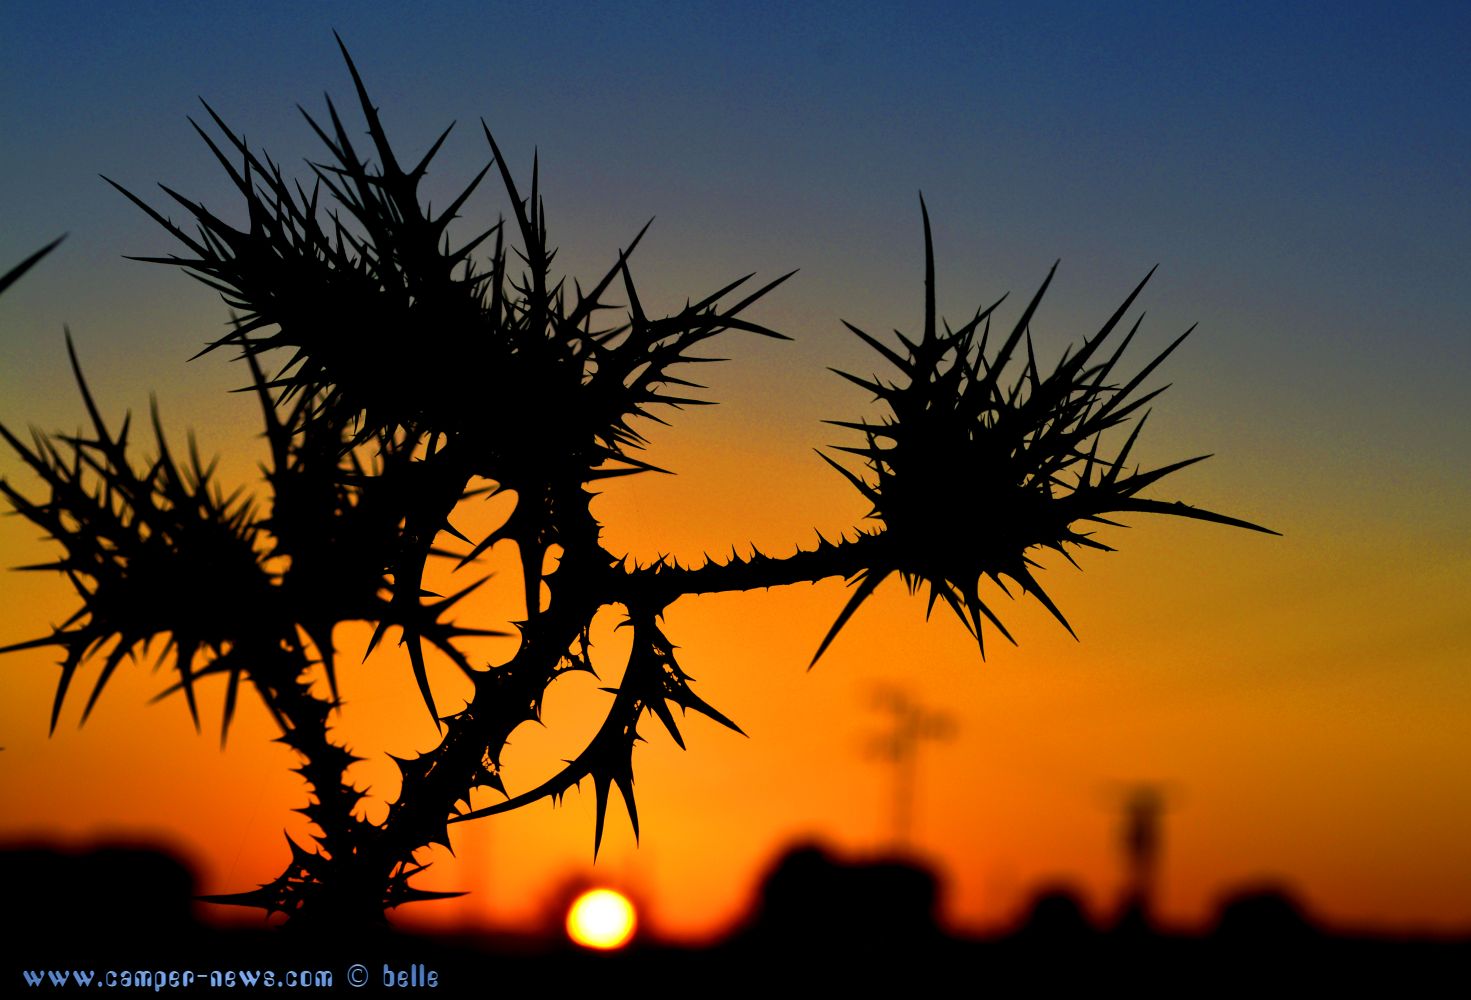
[(154, 553), (388, 329), (981, 458)]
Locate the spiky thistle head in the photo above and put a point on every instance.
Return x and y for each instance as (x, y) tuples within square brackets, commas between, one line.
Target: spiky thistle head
[(371, 314), (972, 468), (161, 552)]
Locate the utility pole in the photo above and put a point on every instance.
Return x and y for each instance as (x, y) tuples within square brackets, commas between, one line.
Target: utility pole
[(911, 723), (1141, 840)]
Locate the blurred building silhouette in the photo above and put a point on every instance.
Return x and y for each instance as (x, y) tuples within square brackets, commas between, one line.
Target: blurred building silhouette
[(111, 892), (810, 900), (1056, 917), (1263, 915)]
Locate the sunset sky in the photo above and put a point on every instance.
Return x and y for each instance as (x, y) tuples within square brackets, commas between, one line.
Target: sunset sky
[(1303, 178)]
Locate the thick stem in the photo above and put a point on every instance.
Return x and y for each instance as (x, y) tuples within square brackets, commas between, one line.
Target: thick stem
[(662, 583), (314, 884), (367, 862)]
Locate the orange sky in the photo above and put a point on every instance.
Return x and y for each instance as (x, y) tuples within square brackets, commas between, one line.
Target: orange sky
[(1301, 698)]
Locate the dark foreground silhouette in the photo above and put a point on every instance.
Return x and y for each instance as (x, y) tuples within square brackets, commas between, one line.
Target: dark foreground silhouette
[(817, 923), (399, 377)]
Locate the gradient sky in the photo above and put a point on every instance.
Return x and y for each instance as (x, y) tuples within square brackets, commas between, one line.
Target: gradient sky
[(1301, 176)]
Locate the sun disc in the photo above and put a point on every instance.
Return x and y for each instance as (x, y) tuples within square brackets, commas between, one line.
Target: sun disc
[(602, 919)]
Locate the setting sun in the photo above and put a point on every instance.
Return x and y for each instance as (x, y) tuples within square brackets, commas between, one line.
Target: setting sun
[(602, 919)]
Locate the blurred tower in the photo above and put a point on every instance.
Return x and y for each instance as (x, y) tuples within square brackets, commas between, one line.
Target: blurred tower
[(1141, 842), (899, 746)]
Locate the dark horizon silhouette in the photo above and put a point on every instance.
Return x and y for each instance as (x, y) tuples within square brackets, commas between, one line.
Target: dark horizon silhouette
[(127, 905)]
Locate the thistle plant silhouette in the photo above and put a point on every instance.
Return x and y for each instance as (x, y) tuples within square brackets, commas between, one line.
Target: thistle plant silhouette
[(393, 375)]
